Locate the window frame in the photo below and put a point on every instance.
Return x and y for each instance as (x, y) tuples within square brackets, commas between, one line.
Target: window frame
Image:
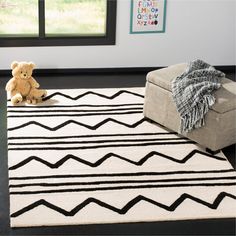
[(42, 40)]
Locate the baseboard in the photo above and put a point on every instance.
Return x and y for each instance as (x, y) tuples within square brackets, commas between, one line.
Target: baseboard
[(78, 71), (125, 70), (227, 69)]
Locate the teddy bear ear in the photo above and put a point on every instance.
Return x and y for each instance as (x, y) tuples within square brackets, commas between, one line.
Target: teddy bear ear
[(32, 65), (14, 64)]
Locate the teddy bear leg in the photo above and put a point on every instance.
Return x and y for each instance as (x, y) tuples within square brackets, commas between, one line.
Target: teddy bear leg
[(40, 93), (36, 95), (16, 98), (44, 93), (30, 99)]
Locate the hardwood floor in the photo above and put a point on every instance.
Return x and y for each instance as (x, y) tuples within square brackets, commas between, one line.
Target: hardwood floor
[(105, 80)]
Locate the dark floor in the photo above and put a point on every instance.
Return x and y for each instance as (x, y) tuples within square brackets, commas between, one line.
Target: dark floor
[(191, 227)]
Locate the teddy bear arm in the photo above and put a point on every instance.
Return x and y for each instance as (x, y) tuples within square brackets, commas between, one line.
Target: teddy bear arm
[(11, 85), (34, 83)]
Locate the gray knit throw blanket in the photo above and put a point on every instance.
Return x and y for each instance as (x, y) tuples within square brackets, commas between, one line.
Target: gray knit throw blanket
[(193, 93)]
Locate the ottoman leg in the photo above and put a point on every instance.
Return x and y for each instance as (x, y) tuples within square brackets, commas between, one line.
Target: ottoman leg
[(212, 152)]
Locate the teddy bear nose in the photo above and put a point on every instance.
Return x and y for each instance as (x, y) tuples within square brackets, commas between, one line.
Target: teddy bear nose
[(24, 74)]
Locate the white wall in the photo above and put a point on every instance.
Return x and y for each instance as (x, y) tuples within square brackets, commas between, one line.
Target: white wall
[(194, 29)]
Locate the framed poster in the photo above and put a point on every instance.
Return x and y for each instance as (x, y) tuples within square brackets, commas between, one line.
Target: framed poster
[(147, 16)]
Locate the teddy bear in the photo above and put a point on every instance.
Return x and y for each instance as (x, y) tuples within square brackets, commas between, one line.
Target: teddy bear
[(23, 86)]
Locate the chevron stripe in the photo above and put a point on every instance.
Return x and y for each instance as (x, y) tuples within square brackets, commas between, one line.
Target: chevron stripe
[(91, 127), (111, 155), (128, 206), (94, 93), (90, 92)]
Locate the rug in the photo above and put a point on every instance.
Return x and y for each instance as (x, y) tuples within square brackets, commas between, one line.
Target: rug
[(88, 156)]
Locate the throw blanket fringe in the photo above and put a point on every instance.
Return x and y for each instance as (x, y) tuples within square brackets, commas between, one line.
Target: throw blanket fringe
[(193, 93), (199, 110)]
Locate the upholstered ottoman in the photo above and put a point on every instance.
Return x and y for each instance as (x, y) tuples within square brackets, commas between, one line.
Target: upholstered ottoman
[(220, 122)]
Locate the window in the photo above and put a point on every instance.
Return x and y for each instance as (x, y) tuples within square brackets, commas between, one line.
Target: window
[(57, 22), (12, 25)]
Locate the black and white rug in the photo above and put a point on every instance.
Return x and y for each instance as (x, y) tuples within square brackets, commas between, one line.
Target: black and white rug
[(89, 156)]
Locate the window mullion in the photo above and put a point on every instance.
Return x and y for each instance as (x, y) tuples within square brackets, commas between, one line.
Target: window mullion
[(41, 19)]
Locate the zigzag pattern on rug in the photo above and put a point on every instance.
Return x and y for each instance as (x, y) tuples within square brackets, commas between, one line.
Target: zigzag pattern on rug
[(108, 164)]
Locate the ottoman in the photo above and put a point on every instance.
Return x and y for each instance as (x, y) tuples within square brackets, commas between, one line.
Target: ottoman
[(220, 121)]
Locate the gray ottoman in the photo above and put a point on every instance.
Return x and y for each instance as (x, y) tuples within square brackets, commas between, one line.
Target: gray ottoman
[(220, 122)]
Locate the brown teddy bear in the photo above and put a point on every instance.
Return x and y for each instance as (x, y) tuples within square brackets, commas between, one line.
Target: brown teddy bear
[(23, 85)]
